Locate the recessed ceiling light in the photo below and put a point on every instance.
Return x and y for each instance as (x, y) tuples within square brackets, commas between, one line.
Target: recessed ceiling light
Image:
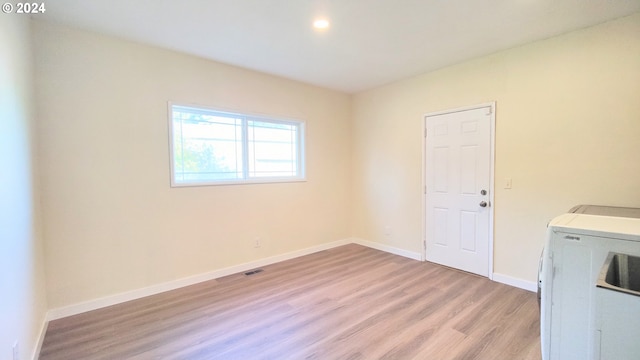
[(321, 23)]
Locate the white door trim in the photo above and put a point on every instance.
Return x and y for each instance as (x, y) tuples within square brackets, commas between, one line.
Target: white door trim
[(491, 180)]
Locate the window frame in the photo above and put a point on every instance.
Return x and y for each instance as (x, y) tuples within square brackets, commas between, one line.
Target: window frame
[(246, 179)]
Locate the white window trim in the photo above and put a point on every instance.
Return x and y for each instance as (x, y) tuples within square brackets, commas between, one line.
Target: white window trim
[(264, 180)]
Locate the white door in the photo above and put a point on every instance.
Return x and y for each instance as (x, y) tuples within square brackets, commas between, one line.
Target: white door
[(458, 194)]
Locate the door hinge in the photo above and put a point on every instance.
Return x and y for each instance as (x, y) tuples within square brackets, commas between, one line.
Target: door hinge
[(425, 189), (425, 132)]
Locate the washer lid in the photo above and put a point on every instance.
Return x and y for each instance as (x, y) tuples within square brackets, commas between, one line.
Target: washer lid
[(606, 211), (623, 228)]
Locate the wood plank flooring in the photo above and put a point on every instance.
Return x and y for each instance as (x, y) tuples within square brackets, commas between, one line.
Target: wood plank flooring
[(350, 302)]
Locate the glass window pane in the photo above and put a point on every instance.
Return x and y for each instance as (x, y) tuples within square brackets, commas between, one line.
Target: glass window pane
[(206, 147), (272, 149)]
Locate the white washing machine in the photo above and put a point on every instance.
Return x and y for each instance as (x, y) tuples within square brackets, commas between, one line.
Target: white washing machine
[(578, 319)]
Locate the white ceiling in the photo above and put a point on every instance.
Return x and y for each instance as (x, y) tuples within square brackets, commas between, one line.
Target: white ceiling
[(369, 42)]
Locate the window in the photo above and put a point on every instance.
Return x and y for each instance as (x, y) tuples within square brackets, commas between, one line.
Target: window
[(210, 147)]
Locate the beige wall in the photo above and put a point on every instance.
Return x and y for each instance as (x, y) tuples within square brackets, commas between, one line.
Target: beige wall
[(112, 223), (22, 285), (567, 132)]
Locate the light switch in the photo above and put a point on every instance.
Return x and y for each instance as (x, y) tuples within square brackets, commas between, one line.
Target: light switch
[(507, 183)]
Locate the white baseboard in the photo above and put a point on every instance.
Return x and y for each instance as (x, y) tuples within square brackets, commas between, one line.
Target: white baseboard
[(78, 308), (43, 331), (387, 248), (519, 283)]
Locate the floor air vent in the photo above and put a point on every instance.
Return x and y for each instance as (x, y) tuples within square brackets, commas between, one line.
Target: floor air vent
[(253, 272)]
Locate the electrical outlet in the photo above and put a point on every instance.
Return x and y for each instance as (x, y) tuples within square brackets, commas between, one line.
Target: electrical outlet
[(257, 243), (16, 351)]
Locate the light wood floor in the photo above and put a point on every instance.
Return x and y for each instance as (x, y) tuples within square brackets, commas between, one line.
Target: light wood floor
[(350, 302)]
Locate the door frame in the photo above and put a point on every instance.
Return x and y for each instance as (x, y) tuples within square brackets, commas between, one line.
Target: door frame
[(492, 143)]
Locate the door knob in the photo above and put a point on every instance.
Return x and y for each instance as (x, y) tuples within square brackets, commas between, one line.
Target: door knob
[(483, 204)]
